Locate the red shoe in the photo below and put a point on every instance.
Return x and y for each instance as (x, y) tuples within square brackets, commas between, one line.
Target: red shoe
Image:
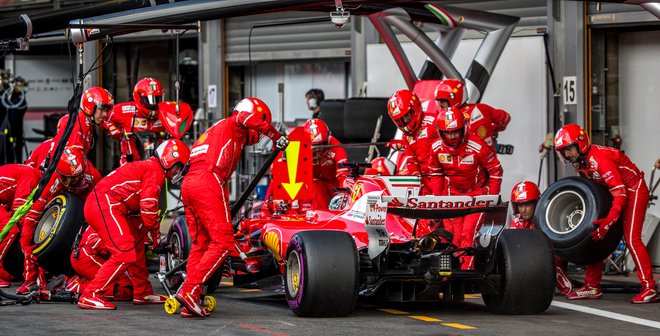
[(4, 283), (26, 287), (92, 301), (647, 295), (150, 299), (73, 285), (563, 282), (192, 304), (585, 292), (185, 313)]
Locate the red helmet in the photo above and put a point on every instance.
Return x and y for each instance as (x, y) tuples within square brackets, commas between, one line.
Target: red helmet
[(317, 130), (525, 191), (93, 98), (383, 166), (451, 90), (572, 134), (147, 93), (405, 109), (71, 163), (172, 152), (450, 121), (254, 106)]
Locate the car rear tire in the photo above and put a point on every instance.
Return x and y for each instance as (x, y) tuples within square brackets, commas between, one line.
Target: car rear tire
[(524, 260), (566, 212), (321, 274), (56, 232)]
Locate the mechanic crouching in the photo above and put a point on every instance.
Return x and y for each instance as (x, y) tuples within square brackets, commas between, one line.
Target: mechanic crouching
[(131, 189), (205, 193), (461, 164), (611, 168), (524, 197)]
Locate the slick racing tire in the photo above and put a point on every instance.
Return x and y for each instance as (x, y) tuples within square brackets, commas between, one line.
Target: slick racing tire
[(566, 212), (525, 263), (56, 232), (13, 261), (321, 274), (180, 242)]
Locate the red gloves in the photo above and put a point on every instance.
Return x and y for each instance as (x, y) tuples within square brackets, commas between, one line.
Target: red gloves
[(602, 226), (397, 144)]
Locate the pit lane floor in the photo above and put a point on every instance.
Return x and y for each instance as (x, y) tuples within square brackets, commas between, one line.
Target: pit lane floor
[(253, 312)]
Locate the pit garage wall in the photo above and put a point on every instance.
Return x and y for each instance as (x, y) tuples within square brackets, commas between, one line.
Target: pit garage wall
[(517, 85)]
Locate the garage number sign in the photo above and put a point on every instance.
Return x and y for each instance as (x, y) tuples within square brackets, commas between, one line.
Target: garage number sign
[(570, 90)]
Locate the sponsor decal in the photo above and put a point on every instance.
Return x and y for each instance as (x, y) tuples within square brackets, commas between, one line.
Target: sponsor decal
[(203, 138), (199, 150), (467, 160), (442, 202)]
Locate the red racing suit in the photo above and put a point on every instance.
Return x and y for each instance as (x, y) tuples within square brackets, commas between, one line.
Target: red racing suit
[(82, 134), (327, 173), (471, 169), (54, 188), (213, 159), (92, 254), (485, 121), (518, 223), (16, 184), (417, 153), (611, 168), (112, 211), (124, 121), (39, 154)]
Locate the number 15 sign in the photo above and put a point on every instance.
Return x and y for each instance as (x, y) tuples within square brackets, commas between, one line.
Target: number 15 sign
[(570, 90)]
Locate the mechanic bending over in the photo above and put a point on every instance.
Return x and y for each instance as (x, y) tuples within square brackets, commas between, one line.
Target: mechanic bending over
[(524, 197), (205, 193), (86, 260), (131, 189), (405, 110), (462, 164), (611, 168), (16, 184), (129, 118), (481, 119)]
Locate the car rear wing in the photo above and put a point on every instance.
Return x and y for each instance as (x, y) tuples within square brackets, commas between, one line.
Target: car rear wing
[(439, 207)]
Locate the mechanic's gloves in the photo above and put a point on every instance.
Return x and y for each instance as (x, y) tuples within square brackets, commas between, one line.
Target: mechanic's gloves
[(603, 225), (397, 144), (281, 142)]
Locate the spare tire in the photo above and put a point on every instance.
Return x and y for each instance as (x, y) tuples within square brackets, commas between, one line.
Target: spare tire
[(56, 232), (566, 212)]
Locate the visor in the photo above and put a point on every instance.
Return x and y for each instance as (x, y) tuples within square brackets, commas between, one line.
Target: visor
[(404, 121), (151, 101)]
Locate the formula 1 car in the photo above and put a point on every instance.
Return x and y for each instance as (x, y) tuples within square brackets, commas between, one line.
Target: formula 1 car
[(383, 240)]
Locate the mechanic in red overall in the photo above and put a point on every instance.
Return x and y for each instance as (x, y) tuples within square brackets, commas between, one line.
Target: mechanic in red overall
[(16, 184), (72, 176), (86, 260), (131, 189), (524, 197), (129, 118), (482, 120), (405, 109), (325, 162), (37, 159), (461, 164), (611, 168), (205, 193)]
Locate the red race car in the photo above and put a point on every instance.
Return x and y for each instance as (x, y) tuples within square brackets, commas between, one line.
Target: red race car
[(381, 239)]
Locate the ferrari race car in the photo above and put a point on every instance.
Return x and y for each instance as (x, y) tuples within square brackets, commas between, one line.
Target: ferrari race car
[(381, 240)]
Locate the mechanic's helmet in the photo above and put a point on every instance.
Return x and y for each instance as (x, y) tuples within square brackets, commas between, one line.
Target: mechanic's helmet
[(256, 107), (317, 130), (572, 135), (71, 167), (450, 121), (95, 98), (173, 153), (451, 90), (405, 109), (147, 93), (383, 166), (525, 191)]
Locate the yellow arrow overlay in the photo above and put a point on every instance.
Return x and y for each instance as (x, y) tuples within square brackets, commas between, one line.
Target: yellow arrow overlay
[(292, 152)]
